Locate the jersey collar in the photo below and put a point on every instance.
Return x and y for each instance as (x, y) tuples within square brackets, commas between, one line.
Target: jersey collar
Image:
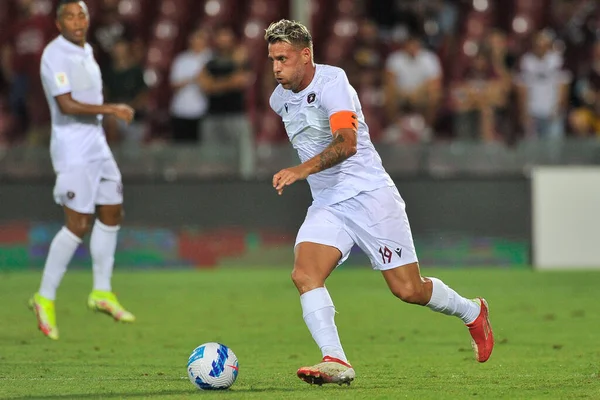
[(73, 47)]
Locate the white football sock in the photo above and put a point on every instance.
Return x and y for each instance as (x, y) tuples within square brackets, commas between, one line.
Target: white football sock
[(61, 252), (103, 244), (447, 301), (318, 313)]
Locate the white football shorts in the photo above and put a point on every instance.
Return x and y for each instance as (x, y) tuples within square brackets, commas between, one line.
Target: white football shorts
[(82, 187), (376, 221)]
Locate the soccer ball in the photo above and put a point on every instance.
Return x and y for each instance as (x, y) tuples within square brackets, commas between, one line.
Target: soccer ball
[(212, 366)]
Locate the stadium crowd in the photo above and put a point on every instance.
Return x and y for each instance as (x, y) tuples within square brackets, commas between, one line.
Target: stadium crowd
[(196, 71)]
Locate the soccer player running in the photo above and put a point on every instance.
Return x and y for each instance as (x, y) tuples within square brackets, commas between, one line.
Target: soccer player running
[(354, 201), (88, 181)]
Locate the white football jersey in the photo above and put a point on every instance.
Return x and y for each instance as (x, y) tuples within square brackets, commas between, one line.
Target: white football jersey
[(306, 118), (76, 139)]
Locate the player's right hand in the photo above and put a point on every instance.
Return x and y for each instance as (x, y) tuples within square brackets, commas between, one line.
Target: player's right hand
[(124, 112), (287, 176)]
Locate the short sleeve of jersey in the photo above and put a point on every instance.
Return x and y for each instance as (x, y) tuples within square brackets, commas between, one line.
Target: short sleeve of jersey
[(337, 95), (55, 74), (391, 62), (524, 65), (432, 64), (178, 71)]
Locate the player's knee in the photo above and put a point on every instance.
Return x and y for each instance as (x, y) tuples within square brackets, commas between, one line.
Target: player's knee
[(304, 281), (117, 216), (111, 216), (79, 226), (410, 293), (299, 277)]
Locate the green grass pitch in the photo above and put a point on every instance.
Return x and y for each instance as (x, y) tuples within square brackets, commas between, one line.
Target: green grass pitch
[(546, 324)]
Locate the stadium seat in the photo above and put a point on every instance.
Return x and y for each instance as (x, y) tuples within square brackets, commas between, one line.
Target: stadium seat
[(261, 14), (475, 26), (131, 10), (348, 8), (43, 7), (253, 38), (217, 12), (529, 16), (341, 40), (178, 13), (319, 18), (161, 47), (139, 13), (174, 9), (266, 10), (92, 6), (6, 11)]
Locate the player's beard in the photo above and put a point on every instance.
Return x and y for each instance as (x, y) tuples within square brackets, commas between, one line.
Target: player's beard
[(295, 81)]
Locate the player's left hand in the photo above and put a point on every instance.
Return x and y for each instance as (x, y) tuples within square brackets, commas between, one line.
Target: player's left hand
[(287, 176)]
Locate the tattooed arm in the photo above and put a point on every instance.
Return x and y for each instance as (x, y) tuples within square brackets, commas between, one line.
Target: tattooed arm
[(342, 147)]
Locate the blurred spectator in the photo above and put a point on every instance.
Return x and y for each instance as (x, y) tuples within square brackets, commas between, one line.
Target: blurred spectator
[(585, 119), (441, 18), (502, 59), (475, 98), (397, 17), (22, 45), (364, 70), (367, 52), (108, 28), (189, 102), (401, 96), (225, 79), (372, 99), (447, 15), (124, 83), (578, 25), (436, 19), (413, 82), (503, 62), (543, 90)]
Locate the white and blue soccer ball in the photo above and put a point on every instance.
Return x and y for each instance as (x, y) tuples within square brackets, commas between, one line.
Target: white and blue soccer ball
[(212, 366)]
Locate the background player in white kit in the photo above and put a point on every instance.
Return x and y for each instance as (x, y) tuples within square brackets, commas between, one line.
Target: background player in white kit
[(88, 181), (354, 201)]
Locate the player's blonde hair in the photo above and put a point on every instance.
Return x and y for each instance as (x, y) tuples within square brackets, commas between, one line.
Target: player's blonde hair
[(291, 32)]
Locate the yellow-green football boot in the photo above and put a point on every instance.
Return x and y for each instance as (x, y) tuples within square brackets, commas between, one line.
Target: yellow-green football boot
[(107, 303), (45, 314)]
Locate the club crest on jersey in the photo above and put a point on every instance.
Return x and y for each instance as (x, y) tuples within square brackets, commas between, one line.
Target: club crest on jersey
[(311, 97), (285, 106), (70, 195), (61, 79)]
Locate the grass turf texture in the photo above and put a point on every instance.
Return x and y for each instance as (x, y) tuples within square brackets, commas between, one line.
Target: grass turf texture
[(546, 326)]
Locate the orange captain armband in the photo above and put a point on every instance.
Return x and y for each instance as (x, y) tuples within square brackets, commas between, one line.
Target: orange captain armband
[(343, 120)]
